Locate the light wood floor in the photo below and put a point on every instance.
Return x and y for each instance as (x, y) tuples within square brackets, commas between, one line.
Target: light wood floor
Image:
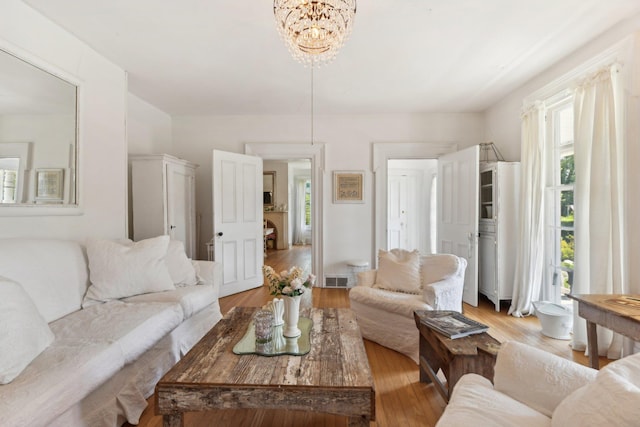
[(401, 400)]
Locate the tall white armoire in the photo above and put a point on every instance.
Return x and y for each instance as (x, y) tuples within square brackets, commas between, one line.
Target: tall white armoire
[(163, 198), (497, 244)]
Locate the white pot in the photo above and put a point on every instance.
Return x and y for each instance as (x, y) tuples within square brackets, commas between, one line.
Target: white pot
[(291, 316)]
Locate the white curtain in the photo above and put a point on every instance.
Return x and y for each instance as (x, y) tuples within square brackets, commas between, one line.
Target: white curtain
[(299, 228), (529, 264), (599, 195)]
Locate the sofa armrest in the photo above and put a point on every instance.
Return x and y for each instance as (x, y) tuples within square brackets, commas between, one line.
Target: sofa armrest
[(445, 294), (367, 278), (209, 273), (539, 379)]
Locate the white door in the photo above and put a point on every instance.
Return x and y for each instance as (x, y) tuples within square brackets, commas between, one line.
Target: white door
[(458, 213), (403, 210), (237, 220), (180, 205), (396, 212)]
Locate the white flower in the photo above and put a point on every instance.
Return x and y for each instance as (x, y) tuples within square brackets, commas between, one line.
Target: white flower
[(296, 283), (287, 290), (312, 279), (284, 274)]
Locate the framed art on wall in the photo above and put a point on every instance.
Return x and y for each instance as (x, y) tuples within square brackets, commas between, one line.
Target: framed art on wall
[(348, 187), (49, 187)]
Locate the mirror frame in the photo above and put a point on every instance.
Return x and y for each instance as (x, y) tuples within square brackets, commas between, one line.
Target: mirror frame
[(35, 209), (272, 174)]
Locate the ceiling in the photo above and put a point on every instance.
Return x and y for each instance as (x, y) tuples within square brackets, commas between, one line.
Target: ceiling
[(192, 57)]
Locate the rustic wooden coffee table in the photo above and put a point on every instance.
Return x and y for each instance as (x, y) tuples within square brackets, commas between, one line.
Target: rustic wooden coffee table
[(334, 377), (456, 357)]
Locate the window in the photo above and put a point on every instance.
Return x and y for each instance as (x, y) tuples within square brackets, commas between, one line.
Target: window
[(307, 203), (560, 212)]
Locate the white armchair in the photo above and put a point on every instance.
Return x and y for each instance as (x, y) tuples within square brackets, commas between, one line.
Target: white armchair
[(384, 300)]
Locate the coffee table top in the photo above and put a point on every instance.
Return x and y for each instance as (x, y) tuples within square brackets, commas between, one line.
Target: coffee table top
[(336, 365)]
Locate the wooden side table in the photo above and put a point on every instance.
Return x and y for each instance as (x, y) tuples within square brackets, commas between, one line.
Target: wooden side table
[(456, 357), (620, 313)]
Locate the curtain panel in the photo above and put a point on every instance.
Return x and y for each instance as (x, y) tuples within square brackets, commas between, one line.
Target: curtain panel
[(599, 198), (530, 259)]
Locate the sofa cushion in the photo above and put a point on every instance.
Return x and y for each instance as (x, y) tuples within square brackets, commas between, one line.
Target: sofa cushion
[(474, 402), (399, 270), (120, 270), (181, 270), (192, 299), (612, 399), (517, 363), (134, 328), (24, 333), (53, 272), (58, 378)]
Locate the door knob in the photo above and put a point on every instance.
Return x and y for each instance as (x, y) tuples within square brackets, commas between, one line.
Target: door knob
[(220, 234), (171, 227)]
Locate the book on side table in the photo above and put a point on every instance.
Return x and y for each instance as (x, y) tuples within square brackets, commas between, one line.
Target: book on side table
[(453, 324)]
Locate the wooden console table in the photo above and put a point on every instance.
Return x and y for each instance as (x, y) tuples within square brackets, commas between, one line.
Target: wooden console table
[(620, 313), (456, 357)]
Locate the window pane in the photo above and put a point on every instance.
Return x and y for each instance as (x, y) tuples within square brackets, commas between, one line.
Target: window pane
[(564, 123), (566, 208), (307, 203), (567, 247), (567, 170)]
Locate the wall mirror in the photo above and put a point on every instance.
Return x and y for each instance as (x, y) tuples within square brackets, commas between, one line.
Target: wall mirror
[(38, 136), (269, 188)]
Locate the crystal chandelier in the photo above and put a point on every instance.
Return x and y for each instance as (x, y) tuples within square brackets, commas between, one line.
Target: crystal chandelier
[(314, 30)]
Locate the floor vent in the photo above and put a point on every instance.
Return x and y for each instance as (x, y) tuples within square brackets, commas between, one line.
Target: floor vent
[(337, 281)]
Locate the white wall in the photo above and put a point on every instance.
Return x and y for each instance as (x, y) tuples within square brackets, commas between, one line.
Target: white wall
[(503, 119), (148, 128), (103, 135), (348, 228)]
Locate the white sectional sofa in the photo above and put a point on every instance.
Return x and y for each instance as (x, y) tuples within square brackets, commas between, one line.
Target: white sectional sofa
[(105, 354), (534, 388)]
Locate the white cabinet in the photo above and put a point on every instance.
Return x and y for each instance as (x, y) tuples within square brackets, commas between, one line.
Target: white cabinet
[(497, 243), (163, 199)]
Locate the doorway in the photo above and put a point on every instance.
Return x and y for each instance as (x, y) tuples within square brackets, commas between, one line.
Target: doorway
[(289, 214), (383, 152), (314, 154), (411, 204)]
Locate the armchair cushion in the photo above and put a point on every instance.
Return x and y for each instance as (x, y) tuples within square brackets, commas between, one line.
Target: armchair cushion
[(399, 270)]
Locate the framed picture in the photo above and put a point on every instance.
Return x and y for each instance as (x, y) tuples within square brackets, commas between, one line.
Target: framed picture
[(348, 187), (49, 185)]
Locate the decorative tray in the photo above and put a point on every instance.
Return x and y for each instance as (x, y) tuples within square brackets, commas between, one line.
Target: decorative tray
[(279, 344)]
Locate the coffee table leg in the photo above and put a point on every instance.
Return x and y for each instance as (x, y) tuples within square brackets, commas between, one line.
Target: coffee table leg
[(172, 420), (359, 421)]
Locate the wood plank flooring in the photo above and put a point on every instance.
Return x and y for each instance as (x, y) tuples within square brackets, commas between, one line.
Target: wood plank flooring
[(401, 400)]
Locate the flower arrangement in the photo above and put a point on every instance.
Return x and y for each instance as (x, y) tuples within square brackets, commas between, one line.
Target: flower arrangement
[(288, 282)]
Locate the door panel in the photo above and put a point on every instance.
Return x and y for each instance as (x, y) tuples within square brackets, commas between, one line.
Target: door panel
[(458, 213), (180, 196), (237, 220)]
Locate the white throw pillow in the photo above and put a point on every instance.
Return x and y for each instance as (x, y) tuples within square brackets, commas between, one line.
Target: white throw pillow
[(180, 267), (122, 270), (399, 270), (24, 333)]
